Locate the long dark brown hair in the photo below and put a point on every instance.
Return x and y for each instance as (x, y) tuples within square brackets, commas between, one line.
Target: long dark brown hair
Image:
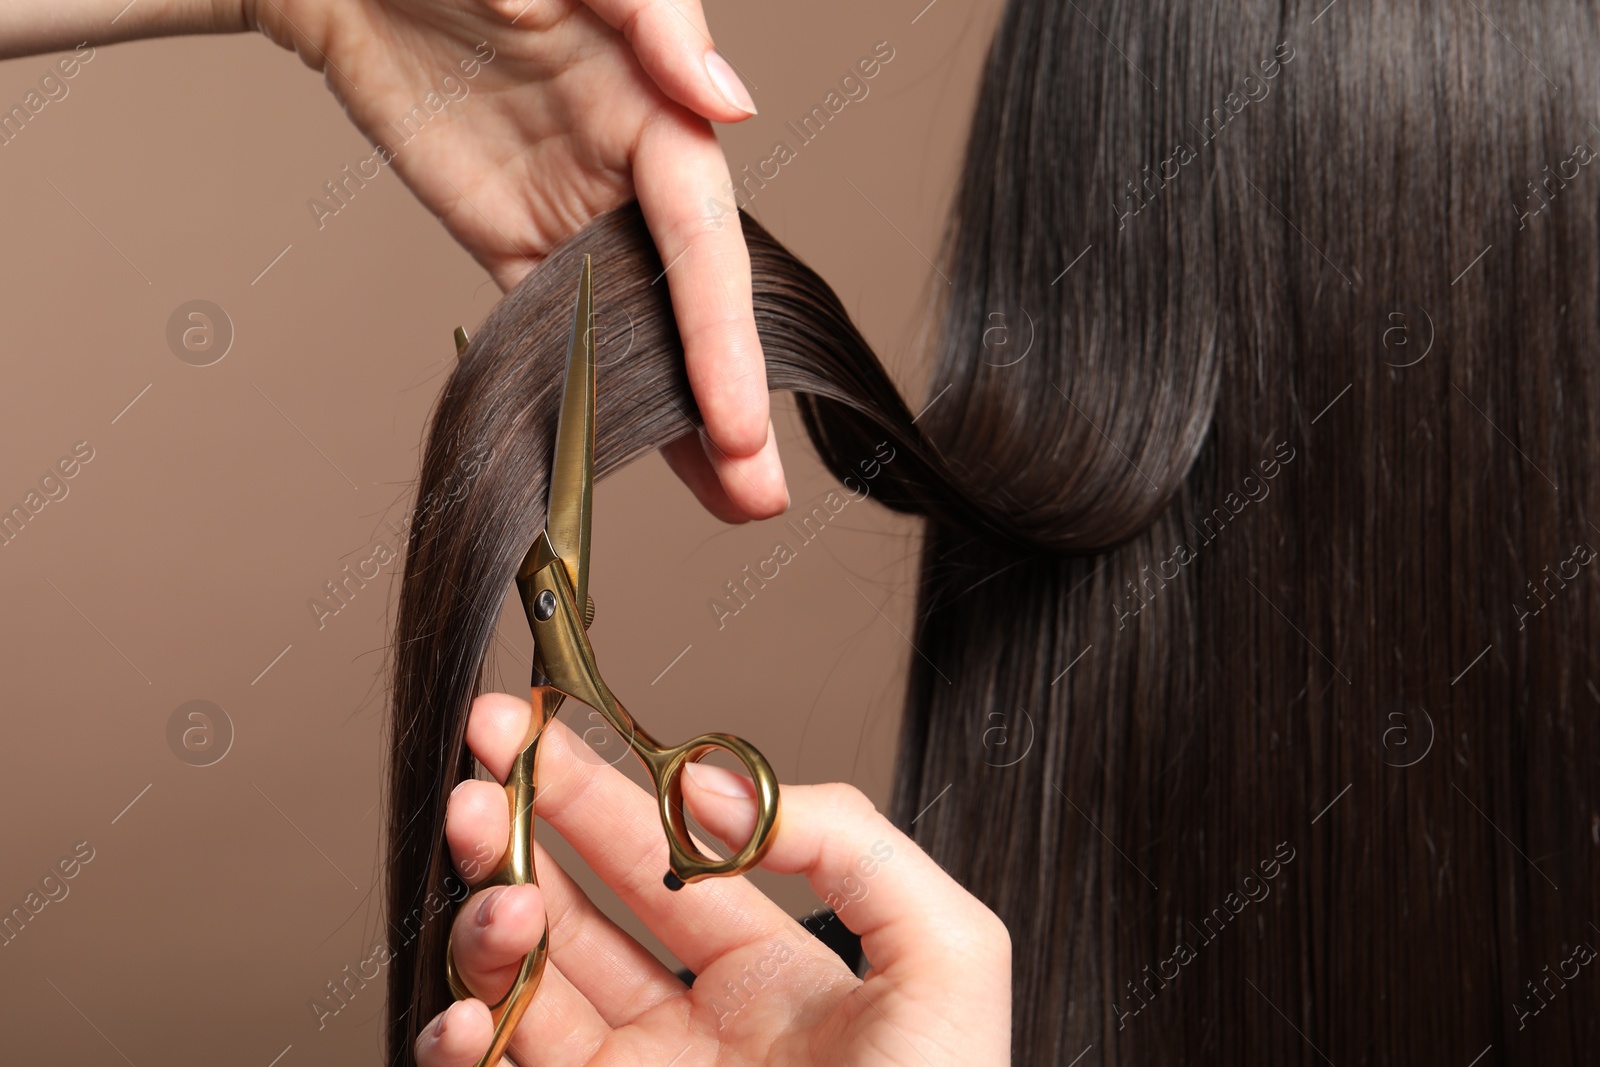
[(1259, 694)]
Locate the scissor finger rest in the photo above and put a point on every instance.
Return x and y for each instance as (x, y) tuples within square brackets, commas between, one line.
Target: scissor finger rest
[(515, 868)]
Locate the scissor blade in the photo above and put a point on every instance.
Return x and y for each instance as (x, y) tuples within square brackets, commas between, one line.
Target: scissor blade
[(572, 470)]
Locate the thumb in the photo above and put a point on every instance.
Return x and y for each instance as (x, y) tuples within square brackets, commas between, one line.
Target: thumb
[(913, 919)]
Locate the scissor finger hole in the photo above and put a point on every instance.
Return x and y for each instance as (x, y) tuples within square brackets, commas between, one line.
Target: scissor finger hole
[(706, 846), (718, 854)]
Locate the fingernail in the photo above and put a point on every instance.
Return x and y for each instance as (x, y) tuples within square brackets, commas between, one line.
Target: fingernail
[(722, 782), (487, 905), (777, 473), (439, 1023), (777, 466), (728, 83)]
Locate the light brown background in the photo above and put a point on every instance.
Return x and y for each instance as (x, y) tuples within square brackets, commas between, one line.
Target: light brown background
[(180, 564)]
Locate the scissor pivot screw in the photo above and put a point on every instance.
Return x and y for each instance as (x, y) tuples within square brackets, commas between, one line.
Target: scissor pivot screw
[(544, 605)]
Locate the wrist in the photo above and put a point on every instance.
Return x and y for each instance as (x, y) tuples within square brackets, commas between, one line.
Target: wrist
[(32, 27)]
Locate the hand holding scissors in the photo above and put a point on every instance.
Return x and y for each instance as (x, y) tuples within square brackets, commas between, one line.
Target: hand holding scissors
[(765, 991), (553, 582)]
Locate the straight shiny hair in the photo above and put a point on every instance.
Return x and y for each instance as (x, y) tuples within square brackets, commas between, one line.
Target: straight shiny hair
[(1259, 694)]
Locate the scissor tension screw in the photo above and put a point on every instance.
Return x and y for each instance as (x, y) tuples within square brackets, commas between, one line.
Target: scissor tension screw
[(544, 605)]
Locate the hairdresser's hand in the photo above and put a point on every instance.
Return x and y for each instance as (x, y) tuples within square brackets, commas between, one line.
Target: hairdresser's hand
[(766, 991), (570, 108), (516, 122)]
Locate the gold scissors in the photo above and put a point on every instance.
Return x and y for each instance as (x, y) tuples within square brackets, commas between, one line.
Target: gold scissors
[(553, 581)]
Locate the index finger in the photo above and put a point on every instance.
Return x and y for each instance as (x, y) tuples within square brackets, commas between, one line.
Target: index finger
[(686, 195)]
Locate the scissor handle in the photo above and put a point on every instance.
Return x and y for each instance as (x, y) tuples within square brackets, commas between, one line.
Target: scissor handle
[(567, 660), (515, 868), (686, 862)]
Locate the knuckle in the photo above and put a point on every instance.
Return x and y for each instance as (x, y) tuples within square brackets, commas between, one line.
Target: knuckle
[(727, 326), (473, 798), (641, 876), (998, 934), (846, 802), (650, 18), (630, 22), (499, 711), (984, 936), (475, 863), (562, 919), (697, 234), (469, 808), (539, 16), (558, 792)]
